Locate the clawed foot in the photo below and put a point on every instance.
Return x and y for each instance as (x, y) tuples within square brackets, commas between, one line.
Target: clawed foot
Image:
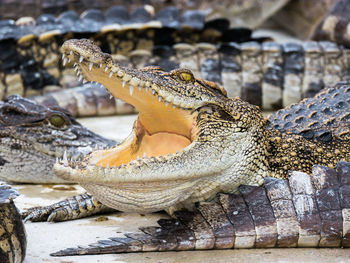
[(78, 206)]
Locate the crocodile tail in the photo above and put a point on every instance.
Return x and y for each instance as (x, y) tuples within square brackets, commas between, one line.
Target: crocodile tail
[(303, 211)]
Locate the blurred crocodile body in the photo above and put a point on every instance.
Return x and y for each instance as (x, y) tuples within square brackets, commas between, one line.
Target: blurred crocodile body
[(303, 211), (269, 75), (29, 49)]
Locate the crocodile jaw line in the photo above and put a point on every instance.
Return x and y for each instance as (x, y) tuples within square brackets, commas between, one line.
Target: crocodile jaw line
[(143, 173)]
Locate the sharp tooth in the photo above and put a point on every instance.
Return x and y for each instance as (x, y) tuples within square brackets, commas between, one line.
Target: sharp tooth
[(110, 97), (68, 60), (75, 64), (90, 66), (84, 81), (64, 61), (81, 59), (123, 84), (110, 74), (76, 68), (65, 160), (100, 65), (131, 89), (71, 52), (144, 155), (63, 56), (56, 159), (166, 103), (106, 69), (120, 73), (80, 78), (153, 91), (122, 166), (159, 98), (138, 157)]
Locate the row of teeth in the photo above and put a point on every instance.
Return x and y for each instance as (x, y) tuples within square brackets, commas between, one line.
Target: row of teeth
[(69, 161), (76, 157), (132, 82)]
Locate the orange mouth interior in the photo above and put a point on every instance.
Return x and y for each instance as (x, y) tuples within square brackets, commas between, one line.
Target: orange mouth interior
[(159, 130)]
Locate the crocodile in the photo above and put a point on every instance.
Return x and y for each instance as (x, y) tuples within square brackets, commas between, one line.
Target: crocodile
[(302, 211), (13, 241), (29, 49), (33, 136), (334, 26), (270, 75), (191, 123)]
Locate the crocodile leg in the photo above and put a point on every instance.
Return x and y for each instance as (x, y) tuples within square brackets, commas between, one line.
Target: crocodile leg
[(75, 207)]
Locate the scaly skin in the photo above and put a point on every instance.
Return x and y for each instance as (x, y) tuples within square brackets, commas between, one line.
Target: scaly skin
[(33, 136), (196, 142)]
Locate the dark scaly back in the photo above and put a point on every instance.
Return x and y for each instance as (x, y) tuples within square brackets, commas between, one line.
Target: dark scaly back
[(314, 131), (321, 117)]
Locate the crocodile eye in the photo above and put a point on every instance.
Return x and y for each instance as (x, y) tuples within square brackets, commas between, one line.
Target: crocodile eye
[(57, 120), (186, 76)]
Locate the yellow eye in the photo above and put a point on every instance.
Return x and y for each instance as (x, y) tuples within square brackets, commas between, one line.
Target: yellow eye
[(57, 120), (186, 76)]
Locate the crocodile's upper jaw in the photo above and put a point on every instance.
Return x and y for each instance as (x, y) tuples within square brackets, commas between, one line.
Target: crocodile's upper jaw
[(170, 156)]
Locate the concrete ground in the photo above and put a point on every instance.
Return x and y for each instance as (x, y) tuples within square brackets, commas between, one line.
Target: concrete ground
[(45, 238)]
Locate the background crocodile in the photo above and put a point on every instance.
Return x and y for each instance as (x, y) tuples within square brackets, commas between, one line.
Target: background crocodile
[(30, 63), (33, 136), (303, 211), (249, 12), (29, 60), (13, 242)]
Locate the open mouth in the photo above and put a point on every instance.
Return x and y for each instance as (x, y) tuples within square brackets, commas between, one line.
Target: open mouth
[(184, 137), (165, 124)]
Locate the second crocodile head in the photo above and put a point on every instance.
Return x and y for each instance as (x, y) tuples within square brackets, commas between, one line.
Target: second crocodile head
[(189, 141)]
